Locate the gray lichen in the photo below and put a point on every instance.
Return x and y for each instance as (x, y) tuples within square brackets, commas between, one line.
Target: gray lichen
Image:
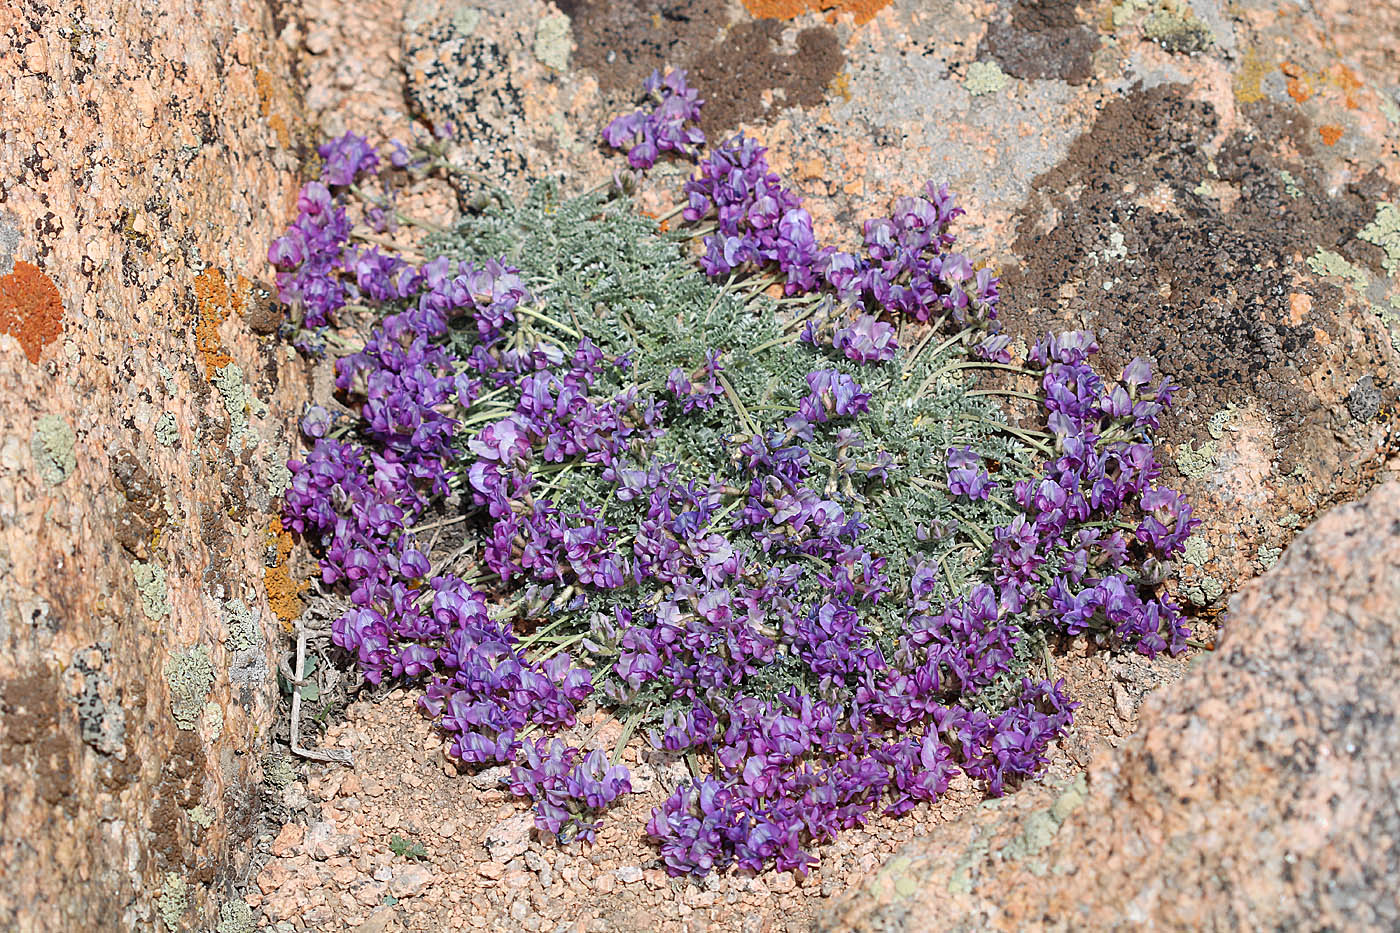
[(1178, 30), (190, 675), (52, 445), (101, 720), (244, 641)]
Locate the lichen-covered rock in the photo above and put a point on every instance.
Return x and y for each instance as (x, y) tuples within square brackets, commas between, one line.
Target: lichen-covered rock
[(149, 153), (1259, 792)]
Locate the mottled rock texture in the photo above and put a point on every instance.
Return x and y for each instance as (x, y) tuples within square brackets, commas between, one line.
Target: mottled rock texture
[(148, 151), (1259, 793)]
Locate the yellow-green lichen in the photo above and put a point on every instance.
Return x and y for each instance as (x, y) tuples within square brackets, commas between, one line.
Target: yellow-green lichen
[(201, 816), (1203, 590), (52, 446), (1178, 30), (190, 675), (167, 430), (1196, 462), (1384, 231), (552, 42), (1040, 827), (279, 772), (1195, 551), (985, 78), (174, 900), (1220, 421), (1327, 263), (1290, 184), (1268, 556), (235, 917), (150, 584)]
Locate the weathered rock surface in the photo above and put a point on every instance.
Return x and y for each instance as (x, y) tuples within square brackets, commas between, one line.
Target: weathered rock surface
[(147, 154), (1258, 793)]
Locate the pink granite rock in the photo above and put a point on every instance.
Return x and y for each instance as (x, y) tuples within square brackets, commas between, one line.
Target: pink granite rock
[(1258, 793), (149, 151)]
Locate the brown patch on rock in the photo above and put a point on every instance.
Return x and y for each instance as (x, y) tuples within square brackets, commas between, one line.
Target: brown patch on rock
[(746, 65), (31, 309), (1042, 39), (1207, 296), (181, 778), (622, 43), (141, 515)]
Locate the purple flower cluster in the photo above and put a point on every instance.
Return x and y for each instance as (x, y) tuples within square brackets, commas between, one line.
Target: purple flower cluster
[(907, 267), (660, 126), (570, 789), (734, 607)]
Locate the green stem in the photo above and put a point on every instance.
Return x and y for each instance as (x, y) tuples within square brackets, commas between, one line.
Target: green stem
[(530, 312), (1013, 393)]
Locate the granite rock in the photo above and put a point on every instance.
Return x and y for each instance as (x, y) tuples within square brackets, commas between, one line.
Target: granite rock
[(1258, 793), (149, 152)]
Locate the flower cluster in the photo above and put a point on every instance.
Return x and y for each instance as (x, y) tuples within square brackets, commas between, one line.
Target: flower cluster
[(570, 789), (746, 547), (660, 126)]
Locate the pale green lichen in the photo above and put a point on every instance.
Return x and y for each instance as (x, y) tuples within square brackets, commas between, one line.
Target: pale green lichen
[(553, 41), (985, 78), (52, 446), (278, 772), (241, 623), (1268, 556), (1290, 184), (1123, 13), (174, 900), (1040, 827), (279, 477), (1389, 109), (239, 402), (1203, 590), (466, 19), (190, 675), (167, 430), (1178, 31), (1220, 421), (213, 721), (1333, 265), (1196, 462), (151, 585), (235, 917), (961, 880), (1384, 231), (201, 816), (1195, 551)]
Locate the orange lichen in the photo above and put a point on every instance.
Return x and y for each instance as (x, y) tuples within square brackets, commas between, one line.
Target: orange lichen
[(31, 309), (283, 591), (214, 301), (862, 10), (1330, 133), (1348, 82)]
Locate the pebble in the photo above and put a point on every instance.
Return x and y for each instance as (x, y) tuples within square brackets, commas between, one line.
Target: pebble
[(605, 884), (629, 874), (492, 870)]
